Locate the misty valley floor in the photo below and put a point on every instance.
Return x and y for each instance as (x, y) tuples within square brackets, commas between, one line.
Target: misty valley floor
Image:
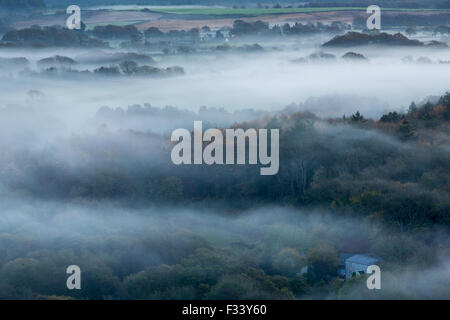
[(86, 176)]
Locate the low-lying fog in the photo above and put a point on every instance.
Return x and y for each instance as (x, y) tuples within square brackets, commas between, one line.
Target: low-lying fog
[(38, 113), (122, 241), (264, 81)]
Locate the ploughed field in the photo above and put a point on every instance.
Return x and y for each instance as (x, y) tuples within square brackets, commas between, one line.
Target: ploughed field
[(184, 17)]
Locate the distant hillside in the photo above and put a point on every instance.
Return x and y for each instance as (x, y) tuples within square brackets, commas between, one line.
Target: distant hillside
[(22, 4), (253, 3)]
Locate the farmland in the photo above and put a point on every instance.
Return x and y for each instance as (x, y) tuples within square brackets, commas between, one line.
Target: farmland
[(186, 17), (218, 11)]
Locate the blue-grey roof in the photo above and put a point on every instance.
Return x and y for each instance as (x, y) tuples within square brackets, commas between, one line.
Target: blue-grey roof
[(343, 257), (362, 259)]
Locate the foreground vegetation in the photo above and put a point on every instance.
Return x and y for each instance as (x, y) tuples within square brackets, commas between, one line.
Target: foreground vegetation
[(138, 227)]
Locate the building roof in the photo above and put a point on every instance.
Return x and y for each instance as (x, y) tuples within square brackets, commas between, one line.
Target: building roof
[(343, 257), (362, 259)]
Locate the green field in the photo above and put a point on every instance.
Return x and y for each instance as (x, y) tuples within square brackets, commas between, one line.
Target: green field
[(263, 11)]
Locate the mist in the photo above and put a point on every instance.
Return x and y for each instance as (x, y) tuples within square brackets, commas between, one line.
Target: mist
[(86, 176), (120, 242), (266, 81)]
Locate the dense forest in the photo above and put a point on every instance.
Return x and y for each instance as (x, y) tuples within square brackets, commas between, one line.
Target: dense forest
[(358, 185), (395, 170)]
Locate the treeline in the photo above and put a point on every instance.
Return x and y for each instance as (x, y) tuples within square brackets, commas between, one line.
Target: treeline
[(243, 28), (130, 32), (54, 36), (240, 28)]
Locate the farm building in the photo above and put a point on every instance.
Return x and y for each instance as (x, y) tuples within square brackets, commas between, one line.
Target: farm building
[(342, 258), (357, 264)]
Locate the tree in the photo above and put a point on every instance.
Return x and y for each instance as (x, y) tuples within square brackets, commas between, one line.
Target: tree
[(357, 117), (129, 67), (288, 261), (405, 131), (286, 28), (323, 262), (391, 117), (219, 35), (153, 32), (206, 29), (108, 71), (410, 31), (412, 107), (445, 99), (117, 32), (171, 189)]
